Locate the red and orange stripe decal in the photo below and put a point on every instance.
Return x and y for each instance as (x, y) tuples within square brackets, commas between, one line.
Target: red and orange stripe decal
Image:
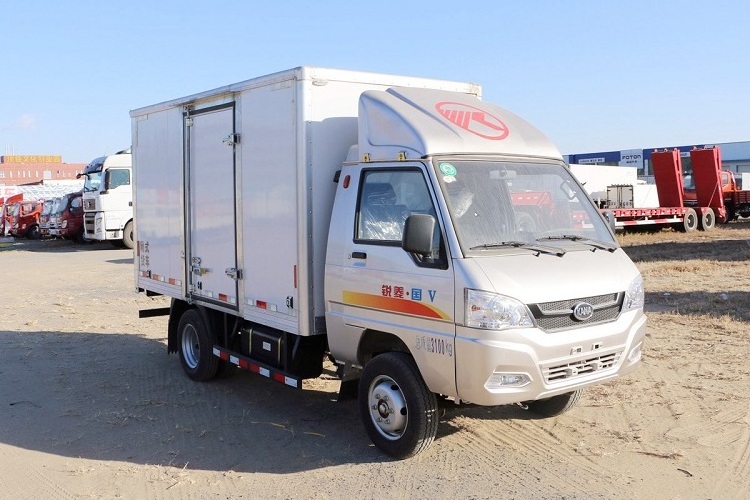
[(393, 304)]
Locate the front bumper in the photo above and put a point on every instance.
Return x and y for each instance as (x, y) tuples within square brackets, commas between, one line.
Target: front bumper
[(551, 363)]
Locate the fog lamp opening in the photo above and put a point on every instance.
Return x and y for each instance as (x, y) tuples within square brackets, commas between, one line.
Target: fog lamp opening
[(635, 353), (500, 380)]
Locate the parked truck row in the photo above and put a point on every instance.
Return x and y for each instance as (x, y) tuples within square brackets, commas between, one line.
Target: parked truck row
[(434, 246), (101, 211)]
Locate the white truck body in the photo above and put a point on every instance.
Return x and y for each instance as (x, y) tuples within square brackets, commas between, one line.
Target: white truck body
[(108, 199), (239, 221)]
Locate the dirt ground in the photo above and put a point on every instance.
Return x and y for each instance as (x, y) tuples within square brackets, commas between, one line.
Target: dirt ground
[(91, 405)]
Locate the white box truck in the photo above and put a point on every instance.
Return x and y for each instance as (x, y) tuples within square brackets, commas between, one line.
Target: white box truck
[(434, 246), (108, 199)]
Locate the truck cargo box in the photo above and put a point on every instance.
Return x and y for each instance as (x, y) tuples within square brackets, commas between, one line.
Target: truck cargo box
[(249, 173)]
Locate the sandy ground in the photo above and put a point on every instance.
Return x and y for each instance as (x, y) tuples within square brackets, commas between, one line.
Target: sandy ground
[(91, 406)]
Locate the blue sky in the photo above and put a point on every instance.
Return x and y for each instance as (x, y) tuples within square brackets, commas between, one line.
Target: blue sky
[(593, 75)]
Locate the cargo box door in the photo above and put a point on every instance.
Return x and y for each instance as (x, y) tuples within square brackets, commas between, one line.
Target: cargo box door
[(211, 257)]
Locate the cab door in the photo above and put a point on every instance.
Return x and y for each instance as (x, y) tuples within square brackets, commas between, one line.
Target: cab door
[(211, 256), (389, 290)]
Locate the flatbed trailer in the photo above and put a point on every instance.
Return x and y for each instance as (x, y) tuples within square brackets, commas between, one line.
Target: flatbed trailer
[(673, 213)]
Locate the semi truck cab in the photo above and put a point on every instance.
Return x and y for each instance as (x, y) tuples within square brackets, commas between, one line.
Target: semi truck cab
[(108, 199)]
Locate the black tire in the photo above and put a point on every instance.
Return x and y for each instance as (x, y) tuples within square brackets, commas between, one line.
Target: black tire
[(398, 411), (33, 233), (127, 236), (708, 220), (196, 347), (690, 222), (555, 405), (81, 237)]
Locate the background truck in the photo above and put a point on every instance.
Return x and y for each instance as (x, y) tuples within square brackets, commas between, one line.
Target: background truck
[(10, 204), (44, 218), (69, 217), (715, 187), (390, 224), (108, 199), (673, 211), (25, 219)]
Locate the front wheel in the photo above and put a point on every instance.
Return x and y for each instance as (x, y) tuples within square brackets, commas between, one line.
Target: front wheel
[(689, 222), (33, 233), (398, 410), (196, 348), (127, 236), (555, 405)]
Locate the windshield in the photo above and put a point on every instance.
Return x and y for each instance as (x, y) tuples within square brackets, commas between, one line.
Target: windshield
[(92, 182), (497, 204)]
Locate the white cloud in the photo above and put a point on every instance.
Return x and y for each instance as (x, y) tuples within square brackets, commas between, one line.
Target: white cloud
[(25, 121)]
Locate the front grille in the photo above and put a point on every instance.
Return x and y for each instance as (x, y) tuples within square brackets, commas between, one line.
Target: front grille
[(558, 315), (88, 222), (580, 368)]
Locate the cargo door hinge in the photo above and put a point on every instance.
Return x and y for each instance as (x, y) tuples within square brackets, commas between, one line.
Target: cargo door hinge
[(188, 122), (232, 139)]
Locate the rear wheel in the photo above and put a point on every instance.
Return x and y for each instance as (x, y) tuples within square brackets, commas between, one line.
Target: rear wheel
[(33, 233), (555, 405), (127, 235), (196, 347), (398, 410), (708, 220)]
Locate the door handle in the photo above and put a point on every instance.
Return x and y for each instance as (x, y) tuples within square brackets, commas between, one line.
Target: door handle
[(359, 255)]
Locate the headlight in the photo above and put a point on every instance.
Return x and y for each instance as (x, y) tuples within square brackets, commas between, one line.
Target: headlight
[(634, 296), (491, 311)]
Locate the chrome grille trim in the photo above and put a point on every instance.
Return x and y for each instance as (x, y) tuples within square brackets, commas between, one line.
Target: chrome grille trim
[(558, 315)]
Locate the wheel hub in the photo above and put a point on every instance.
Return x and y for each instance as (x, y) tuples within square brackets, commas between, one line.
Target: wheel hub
[(388, 408)]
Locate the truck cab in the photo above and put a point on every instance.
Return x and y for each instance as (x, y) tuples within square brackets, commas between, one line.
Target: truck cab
[(108, 199), (26, 219), (70, 217), (491, 269), (44, 218)]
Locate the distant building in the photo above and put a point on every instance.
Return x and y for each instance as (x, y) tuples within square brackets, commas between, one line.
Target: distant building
[(735, 156), (29, 169)]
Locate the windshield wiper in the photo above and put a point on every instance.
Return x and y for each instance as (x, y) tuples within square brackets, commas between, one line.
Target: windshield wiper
[(586, 241), (523, 244)]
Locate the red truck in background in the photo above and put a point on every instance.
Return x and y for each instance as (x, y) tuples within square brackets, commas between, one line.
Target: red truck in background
[(711, 186), (25, 221), (9, 206), (70, 217)]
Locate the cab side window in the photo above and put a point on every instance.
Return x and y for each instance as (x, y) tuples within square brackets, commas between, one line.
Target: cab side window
[(117, 178), (386, 199)]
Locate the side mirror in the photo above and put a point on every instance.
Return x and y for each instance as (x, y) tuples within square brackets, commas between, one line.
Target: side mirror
[(611, 221), (418, 234)]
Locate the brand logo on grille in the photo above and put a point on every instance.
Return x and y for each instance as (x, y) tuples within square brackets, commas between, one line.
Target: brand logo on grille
[(583, 311)]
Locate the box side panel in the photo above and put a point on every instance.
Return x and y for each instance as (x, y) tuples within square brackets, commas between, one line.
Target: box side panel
[(267, 180), (157, 178)]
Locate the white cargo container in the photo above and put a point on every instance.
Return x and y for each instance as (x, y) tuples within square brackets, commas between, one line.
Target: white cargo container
[(428, 242)]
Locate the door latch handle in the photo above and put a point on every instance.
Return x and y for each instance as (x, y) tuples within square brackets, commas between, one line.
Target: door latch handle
[(198, 270)]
